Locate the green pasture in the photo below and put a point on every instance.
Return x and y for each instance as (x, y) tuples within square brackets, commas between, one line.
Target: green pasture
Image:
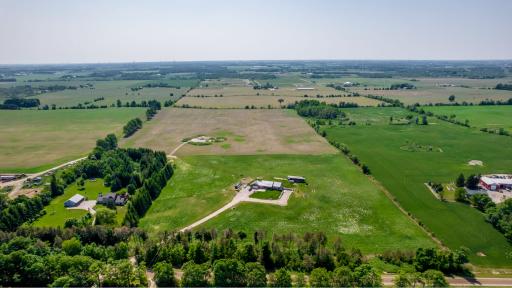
[(110, 90), (491, 117), (403, 172), (338, 200), (35, 140)]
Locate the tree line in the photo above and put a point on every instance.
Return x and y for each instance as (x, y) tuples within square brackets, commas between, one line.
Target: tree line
[(18, 103)]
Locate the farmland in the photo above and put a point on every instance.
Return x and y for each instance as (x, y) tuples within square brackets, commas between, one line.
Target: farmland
[(403, 172), (491, 117), (33, 140), (243, 96), (338, 200), (111, 91), (246, 132)]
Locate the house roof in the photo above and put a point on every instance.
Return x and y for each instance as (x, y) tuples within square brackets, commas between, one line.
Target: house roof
[(267, 184), (76, 198)]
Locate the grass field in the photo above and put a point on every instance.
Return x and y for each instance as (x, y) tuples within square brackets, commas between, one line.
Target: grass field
[(247, 132), (56, 214), (493, 117), (338, 200), (110, 90), (439, 94), (403, 173), (269, 194), (32, 140)]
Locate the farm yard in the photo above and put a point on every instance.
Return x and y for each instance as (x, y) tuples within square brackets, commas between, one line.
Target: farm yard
[(338, 200), (56, 214), (403, 172), (246, 132), (33, 140)]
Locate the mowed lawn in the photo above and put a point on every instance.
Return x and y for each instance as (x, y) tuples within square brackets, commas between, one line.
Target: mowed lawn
[(246, 131), (338, 200), (32, 140), (404, 173), (56, 214), (491, 117)]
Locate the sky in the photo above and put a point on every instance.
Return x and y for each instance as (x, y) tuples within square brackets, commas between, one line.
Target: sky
[(98, 31)]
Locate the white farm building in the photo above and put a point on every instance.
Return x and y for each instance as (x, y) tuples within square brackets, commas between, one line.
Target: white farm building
[(74, 201)]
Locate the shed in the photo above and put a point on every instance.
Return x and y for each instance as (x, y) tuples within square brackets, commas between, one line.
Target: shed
[(296, 179), (74, 201)]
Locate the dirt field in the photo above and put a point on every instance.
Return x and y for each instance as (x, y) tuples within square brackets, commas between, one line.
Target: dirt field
[(247, 132), (265, 101)]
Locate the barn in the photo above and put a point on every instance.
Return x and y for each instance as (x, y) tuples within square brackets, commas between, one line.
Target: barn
[(496, 182), (74, 201)]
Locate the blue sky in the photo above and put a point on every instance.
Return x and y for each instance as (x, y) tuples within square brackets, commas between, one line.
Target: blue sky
[(70, 31)]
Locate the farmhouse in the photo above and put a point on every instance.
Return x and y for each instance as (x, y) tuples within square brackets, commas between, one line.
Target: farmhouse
[(74, 201), (117, 199), (267, 185), (296, 179), (496, 182)]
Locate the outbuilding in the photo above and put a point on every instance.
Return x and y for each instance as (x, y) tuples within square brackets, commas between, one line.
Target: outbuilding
[(496, 182), (74, 201), (296, 179), (267, 185)]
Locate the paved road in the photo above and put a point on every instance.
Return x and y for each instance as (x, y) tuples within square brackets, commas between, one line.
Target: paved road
[(387, 280), (242, 196), (18, 184)]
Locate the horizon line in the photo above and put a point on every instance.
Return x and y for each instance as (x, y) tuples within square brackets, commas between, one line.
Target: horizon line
[(257, 60)]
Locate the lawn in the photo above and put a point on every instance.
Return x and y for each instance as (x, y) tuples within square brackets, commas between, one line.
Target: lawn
[(269, 194), (246, 132), (403, 173), (491, 117), (56, 214), (338, 200), (34, 140)]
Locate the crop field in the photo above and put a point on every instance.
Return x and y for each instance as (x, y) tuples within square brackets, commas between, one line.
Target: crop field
[(246, 131), (492, 117), (110, 90), (32, 140), (265, 101), (228, 91), (338, 200), (404, 171), (439, 94)]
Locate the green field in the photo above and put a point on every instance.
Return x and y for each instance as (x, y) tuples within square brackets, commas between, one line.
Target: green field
[(32, 140), (491, 117), (56, 214), (110, 90), (269, 194), (338, 200), (404, 172)]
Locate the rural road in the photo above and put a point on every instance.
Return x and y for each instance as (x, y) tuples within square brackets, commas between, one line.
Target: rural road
[(18, 184), (387, 280), (242, 196)]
